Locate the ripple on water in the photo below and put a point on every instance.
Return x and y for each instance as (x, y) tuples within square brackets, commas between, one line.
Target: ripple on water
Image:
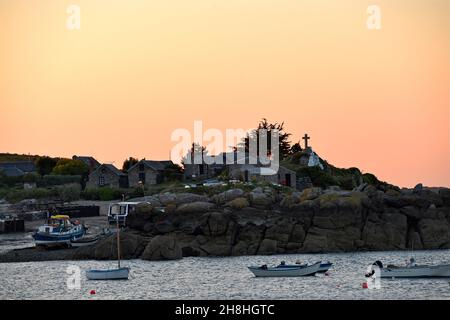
[(224, 278)]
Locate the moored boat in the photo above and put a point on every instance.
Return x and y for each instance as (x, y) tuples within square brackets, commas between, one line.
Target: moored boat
[(283, 271), (59, 230), (412, 270), (83, 242), (324, 266), (111, 274)]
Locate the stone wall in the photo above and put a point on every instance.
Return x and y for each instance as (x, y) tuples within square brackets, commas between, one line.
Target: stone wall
[(110, 179)]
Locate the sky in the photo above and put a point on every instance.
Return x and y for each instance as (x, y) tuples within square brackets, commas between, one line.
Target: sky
[(135, 71)]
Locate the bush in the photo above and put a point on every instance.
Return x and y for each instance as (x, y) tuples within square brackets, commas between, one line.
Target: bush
[(68, 193), (103, 194), (56, 180), (16, 195)]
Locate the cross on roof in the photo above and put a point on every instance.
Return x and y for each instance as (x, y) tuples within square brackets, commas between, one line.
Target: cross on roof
[(306, 138)]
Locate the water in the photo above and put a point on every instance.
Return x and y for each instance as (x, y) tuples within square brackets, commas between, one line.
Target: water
[(224, 278)]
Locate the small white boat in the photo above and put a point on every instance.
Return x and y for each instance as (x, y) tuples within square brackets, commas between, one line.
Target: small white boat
[(83, 242), (108, 274), (324, 266), (413, 270), (283, 271)]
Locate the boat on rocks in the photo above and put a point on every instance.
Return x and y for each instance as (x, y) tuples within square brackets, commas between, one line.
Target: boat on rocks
[(83, 242), (59, 230), (413, 270), (285, 271)]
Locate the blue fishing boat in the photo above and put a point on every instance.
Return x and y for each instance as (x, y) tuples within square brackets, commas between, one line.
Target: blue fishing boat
[(58, 230)]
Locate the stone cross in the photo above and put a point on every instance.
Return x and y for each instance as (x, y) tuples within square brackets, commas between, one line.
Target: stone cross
[(306, 138)]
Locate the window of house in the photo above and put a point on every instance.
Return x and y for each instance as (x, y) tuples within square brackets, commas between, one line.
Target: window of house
[(141, 167), (101, 181)]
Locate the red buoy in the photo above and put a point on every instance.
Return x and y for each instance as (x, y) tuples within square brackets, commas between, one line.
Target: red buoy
[(93, 292), (364, 285)]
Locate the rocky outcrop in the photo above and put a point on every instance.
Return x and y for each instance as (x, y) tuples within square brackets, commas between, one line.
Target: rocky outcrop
[(162, 248), (262, 221), (198, 206)]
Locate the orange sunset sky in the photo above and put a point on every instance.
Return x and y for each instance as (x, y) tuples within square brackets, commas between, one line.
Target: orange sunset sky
[(137, 70)]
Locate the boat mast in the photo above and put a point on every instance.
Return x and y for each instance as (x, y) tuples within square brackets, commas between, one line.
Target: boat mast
[(118, 241)]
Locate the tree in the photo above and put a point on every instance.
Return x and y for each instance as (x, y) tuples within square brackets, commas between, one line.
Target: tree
[(194, 155), (284, 143), (45, 165), (173, 172), (71, 168), (128, 163), (295, 148)]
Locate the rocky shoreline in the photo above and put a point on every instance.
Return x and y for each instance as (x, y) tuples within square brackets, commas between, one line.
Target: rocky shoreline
[(265, 221)]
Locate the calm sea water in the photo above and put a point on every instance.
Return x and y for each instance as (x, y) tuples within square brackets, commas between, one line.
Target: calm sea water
[(224, 278)]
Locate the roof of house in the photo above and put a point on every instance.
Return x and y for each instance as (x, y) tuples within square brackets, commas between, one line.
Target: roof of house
[(88, 160), (12, 172), (157, 165), (24, 166), (111, 168)]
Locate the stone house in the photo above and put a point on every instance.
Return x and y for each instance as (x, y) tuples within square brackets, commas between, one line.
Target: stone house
[(240, 170), (250, 172), (204, 170), (148, 172), (107, 175)]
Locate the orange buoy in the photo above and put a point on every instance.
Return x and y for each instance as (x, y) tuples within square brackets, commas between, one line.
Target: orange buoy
[(364, 285), (93, 292)]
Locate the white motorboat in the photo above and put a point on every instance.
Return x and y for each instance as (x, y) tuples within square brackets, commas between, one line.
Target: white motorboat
[(412, 270), (283, 271), (83, 242), (324, 266)]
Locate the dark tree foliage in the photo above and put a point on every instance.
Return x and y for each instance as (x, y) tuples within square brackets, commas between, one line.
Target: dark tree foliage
[(71, 167), (295, 148), (128, 163), (284, 143), (45, 165)]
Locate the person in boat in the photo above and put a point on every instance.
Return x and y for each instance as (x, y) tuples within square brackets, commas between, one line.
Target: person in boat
[(411, 263), (283, 263)]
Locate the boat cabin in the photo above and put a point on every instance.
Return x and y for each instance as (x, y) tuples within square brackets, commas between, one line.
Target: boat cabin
[(120, 211), (57, 223)]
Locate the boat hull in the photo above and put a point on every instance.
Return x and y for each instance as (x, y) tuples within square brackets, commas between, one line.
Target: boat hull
[(442, 271), (83, 242), (42, 238), (299, 271), (108, 274), (324, 267)]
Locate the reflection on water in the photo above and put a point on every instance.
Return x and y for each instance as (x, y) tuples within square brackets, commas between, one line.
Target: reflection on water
[(224, 278)]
